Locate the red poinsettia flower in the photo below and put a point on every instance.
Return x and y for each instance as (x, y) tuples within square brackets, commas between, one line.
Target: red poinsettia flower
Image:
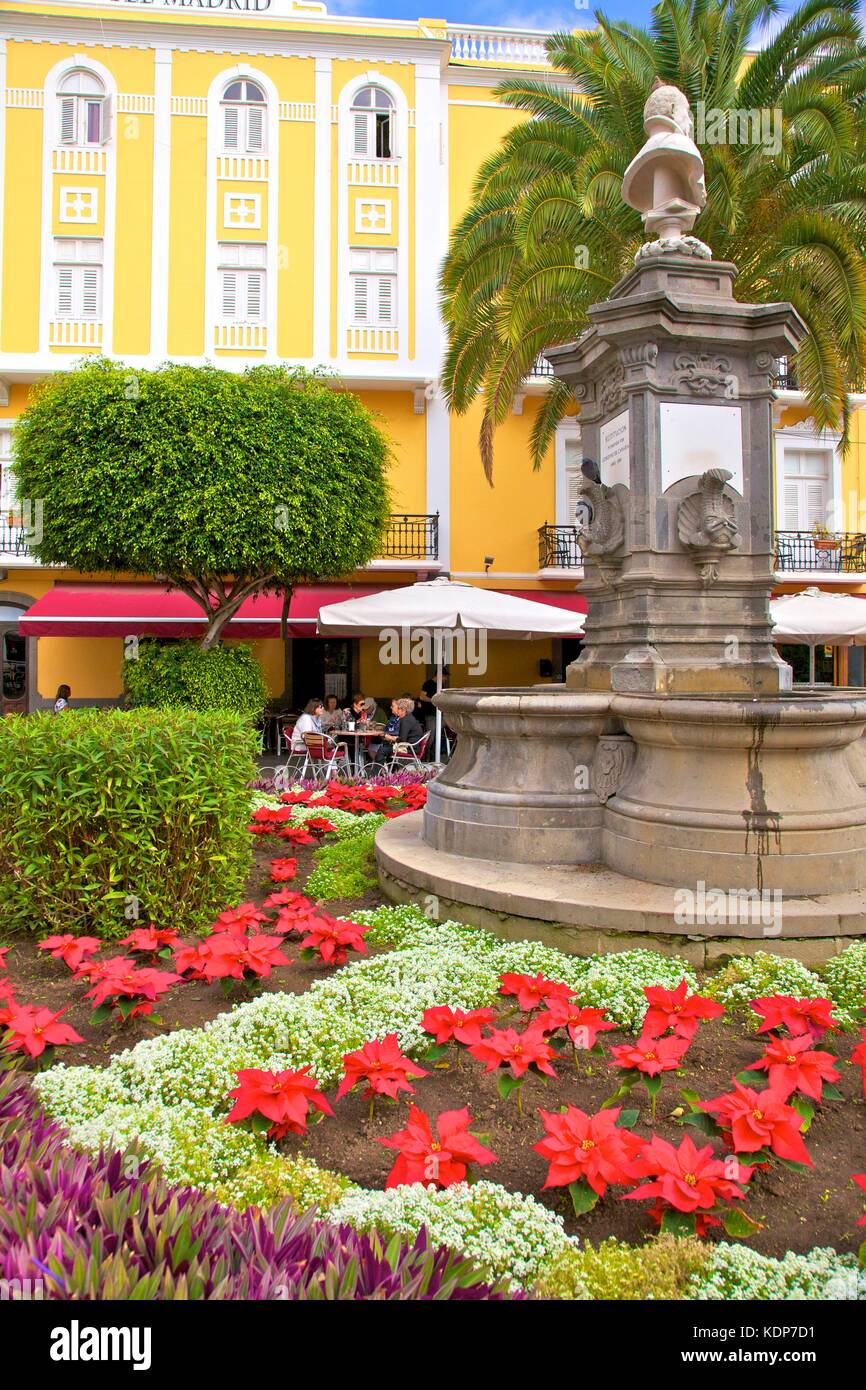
[(687, 1179), (583, 1025), (288, 898), (860, 1179), (7, 993), (505, 1047), (533, 990), (384, 1068), (120, 978), (792, 1065), (31, 1030), (262, 953), (440, 1161), (812, 1016), (150, 939), (238, 921), (676, 1009), (464, 1026), (4, 951), (858, 1057), (299, 798), (651, 1055), (285, 1097), (590, 1148), (296, 835), (759, 1120), (319, 825), (72, 950), (283, 869), (332, 939)]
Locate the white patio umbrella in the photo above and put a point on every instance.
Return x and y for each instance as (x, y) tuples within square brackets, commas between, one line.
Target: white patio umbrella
[(444, 606), (816, 618)]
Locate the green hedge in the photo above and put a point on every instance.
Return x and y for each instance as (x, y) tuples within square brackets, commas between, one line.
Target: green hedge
[(183, 675), (106, 813)]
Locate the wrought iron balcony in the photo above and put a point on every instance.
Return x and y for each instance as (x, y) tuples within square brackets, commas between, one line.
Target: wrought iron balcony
[(413, 536), (558, 548), (784, 378), (841, 553), (13, 536), (541, 367)]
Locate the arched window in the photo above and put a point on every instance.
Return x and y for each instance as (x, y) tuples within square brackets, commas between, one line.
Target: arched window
[(83, 109), (244, 110), (373, 123)]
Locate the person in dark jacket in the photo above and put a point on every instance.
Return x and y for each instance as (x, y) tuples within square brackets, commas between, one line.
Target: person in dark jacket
[(402, 727)]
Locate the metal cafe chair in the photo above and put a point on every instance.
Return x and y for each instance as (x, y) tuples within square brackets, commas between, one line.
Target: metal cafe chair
[(326, 756)]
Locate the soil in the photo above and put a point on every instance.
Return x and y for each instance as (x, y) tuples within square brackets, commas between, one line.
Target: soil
[(798, 1210)]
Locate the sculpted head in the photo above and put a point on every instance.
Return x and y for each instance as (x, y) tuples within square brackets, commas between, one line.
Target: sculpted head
[(668, 102)]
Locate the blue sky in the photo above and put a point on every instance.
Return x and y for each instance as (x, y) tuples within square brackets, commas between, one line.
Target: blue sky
[(531, 14)]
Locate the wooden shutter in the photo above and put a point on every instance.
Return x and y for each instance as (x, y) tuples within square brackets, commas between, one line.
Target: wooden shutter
[(64, 291), (386, 298), (255, 294), (67, 121), (90, 290), (360, 297), (230, 127), (229, 294), (105, 120), (816, 504), (255, 129), (792, 507), (361, 143)]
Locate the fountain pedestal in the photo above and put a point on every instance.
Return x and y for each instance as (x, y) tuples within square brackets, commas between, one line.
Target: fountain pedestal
[(675, 761)]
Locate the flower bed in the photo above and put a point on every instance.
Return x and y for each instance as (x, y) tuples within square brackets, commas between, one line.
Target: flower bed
[(571, 1084)]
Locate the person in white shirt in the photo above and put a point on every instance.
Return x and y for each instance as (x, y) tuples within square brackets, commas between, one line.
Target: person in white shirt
[(308, 723), (62, 701)]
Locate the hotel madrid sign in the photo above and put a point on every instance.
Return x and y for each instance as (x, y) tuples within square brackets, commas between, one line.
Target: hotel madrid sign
[(283, 9)]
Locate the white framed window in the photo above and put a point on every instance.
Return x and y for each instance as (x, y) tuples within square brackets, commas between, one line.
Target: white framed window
[(808, 488), (244, 118), (7, 477), (373, 216), (78, 277), (373, 287), (82, 109), (242, 282), (373, 124), (242, 210)]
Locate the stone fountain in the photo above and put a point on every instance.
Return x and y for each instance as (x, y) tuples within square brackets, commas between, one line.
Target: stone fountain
[(675, 791)]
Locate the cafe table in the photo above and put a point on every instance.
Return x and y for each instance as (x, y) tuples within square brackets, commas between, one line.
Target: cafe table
[(357, 741)]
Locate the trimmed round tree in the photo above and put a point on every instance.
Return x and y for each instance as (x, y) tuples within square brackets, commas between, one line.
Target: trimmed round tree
[(218, 484)]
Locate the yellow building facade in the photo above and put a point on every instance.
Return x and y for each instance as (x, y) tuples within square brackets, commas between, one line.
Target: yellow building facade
[(242, 181)]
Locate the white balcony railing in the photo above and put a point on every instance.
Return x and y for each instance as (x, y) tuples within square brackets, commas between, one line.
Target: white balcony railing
[(372, 340), (497, 46), (75, 333), (241, 337), (243, 167), (83, 160)]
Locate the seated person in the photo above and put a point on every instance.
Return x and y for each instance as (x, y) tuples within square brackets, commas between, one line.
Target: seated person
[(357, 711), (310, 722), (407, 729), (374, 713), (333, 718)]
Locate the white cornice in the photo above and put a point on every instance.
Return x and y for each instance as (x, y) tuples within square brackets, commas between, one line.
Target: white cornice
[(208, 38)]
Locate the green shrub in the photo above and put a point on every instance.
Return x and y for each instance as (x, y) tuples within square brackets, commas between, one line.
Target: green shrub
[(183, 674), (109, 813), (346, 869), (660, 1269)]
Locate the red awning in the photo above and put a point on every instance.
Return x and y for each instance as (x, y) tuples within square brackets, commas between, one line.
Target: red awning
[(124, 610), (576, 603)]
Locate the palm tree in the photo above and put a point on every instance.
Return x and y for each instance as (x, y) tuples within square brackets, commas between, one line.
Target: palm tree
[(548, 234)]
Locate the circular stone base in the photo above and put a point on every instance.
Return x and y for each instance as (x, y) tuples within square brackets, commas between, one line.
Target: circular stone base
[(586, 909)]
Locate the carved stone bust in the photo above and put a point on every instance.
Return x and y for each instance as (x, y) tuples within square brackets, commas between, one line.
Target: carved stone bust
[(665, 180)]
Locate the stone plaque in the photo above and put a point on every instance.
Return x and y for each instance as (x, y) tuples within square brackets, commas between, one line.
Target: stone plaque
[(697, 437), (614, 451)]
